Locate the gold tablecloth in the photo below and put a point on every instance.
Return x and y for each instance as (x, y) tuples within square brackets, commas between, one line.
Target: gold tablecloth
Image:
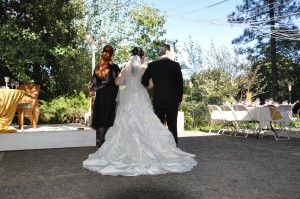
[(9, 99), (277, 115)]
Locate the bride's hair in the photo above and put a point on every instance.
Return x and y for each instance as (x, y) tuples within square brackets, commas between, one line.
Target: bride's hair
[(135, 61), (106, 59), (138, 51)]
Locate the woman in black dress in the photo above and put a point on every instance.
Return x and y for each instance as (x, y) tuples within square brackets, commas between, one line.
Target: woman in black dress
[(103, 82)]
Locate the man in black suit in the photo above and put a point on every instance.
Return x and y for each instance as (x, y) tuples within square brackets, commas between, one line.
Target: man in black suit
[(168, 87), (296, 108)]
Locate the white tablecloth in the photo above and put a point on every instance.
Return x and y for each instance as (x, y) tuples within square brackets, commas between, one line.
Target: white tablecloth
[(263, 116)]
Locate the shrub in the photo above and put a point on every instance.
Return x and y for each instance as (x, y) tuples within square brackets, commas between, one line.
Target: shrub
[(194, 112), (68, 109)]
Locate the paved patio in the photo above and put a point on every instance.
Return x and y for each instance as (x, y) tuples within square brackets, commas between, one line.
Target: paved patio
[(227, 167)]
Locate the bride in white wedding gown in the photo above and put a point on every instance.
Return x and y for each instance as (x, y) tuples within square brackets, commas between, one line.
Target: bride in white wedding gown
[(138, 143)]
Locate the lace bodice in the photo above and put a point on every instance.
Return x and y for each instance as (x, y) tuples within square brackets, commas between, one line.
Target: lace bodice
[(133, 82)]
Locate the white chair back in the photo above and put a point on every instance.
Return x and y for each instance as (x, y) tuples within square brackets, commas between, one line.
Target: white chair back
[(215, 116), (228, 113), (242, 113), (215, 112)]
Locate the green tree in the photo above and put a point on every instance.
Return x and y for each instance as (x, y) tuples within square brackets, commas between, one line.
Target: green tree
[(41, 42), (250, 80), (270, 30), (127, 24), (191, 56), (219, 75), (213, 77)]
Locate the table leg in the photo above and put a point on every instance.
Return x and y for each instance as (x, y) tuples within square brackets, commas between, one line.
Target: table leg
[(271, 128)]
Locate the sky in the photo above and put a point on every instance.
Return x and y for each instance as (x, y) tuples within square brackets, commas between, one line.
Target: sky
[(203, 20)]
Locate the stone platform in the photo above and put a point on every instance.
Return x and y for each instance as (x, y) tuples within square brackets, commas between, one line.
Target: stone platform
[(48, 136)]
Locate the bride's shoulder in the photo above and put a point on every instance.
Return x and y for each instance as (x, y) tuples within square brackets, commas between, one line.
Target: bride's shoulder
[(143, 66)]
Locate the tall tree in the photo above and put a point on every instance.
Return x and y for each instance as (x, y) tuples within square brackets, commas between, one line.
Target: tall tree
[(126, 23), (214, 72), (191, 56), (41, 42), (269, 24)]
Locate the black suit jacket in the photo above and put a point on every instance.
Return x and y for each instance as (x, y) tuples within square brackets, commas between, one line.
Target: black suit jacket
[(296, 108), (168, 82)]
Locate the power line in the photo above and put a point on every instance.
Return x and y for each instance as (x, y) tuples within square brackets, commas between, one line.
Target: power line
[(261, 25), (246, 12), (199, 10), (284, 33), (240, 23), (191, 2), (263, 7), (247, 20)]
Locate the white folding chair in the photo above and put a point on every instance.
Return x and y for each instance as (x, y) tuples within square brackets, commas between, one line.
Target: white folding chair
[(245, 122), (281, 121), (229, 119), (215, 117)]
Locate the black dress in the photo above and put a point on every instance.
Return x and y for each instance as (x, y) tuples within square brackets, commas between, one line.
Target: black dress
[(104, 109)]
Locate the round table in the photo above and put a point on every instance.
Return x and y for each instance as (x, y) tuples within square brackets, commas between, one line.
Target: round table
[(9, 99)]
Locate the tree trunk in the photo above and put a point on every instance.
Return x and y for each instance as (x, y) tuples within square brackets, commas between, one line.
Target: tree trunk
[(275, 86)]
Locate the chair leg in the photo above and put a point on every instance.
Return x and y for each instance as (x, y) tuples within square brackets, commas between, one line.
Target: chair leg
[(241, 128), (34, 120), (210, 128), (21, 119), (35, 115), (282, 129)]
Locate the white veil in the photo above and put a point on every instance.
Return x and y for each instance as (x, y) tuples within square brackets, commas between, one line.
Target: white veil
[(133, 66), (131, 77), (131, 69)]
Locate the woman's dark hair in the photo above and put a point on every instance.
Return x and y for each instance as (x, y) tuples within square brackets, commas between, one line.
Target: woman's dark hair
[(137, 51)]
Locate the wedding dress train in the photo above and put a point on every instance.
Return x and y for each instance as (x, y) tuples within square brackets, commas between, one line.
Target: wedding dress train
[(138, 143)]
